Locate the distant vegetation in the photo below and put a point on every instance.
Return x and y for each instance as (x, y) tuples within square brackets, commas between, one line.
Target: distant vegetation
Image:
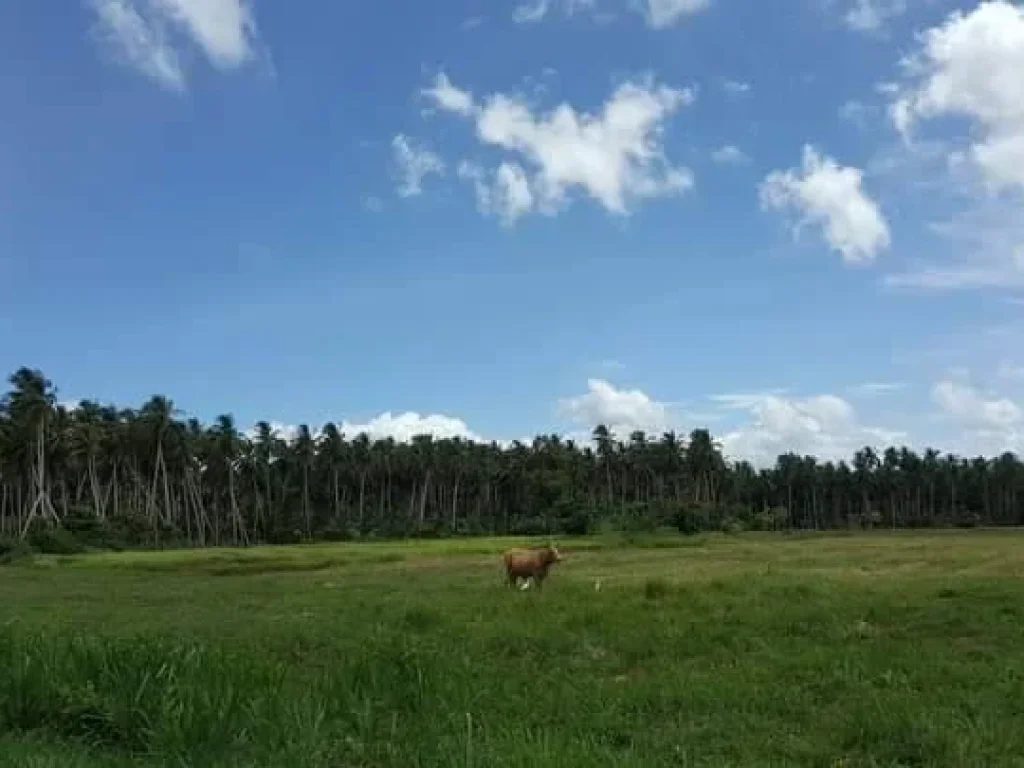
[(108, 477)]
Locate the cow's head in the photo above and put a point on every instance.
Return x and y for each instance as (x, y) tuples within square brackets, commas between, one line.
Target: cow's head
[(554, 556)]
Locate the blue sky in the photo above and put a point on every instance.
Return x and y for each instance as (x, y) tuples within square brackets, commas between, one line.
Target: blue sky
[(796, 223)]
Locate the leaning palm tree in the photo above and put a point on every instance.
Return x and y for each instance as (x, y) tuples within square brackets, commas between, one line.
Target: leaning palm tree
[(30, 407)]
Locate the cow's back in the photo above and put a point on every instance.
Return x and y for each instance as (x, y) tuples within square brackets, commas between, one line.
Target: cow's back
[(522, 561)]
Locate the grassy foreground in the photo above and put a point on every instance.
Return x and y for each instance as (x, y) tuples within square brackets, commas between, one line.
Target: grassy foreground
[(867, 650)]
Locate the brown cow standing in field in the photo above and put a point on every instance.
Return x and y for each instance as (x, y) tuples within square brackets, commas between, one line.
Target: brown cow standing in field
[(530, 564)]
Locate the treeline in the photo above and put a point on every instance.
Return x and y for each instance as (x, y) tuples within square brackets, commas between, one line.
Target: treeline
[(147, 477)]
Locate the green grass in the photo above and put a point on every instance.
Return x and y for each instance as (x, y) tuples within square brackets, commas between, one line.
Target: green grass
[(755, 650)]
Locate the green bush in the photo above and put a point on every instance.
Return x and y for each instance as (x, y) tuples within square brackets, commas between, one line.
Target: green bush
[(12, 549), (48, 540), (732, 525), (769, 519), (691, 519)]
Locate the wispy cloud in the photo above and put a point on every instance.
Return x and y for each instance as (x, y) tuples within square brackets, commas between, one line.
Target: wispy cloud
[(876, 388), (139, 33), (729, 155), (414, 163)]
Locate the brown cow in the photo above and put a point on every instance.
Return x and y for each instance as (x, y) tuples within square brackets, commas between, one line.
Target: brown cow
[(530, 564)]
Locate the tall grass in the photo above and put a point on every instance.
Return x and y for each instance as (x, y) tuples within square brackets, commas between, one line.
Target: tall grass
[(735, 651)]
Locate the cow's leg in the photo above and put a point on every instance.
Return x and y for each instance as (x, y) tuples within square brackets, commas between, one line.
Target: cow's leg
[(512, 580)]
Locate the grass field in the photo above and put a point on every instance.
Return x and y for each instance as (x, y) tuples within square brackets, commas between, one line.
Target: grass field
[(864, 650)]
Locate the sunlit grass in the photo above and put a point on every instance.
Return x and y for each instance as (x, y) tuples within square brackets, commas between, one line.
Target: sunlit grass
[(815, 650)]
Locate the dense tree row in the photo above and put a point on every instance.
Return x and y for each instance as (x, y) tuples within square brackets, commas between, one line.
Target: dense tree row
[(148, 477)]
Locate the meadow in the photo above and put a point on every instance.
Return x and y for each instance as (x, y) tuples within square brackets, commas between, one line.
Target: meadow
[(880, 649)]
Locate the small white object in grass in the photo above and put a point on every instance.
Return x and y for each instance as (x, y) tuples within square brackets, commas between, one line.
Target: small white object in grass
[(525, 585), (597, 585)]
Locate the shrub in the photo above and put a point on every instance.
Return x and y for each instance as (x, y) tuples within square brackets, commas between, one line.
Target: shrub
[(732, 525), (53, 541), (691, 519), (770, 519), (12, 549)]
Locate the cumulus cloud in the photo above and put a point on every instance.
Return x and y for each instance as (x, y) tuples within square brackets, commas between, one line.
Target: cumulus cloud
[(414, 163), (405, 426), (966, 405), (729, 155), (990, 424), (402, 427), (659, 14), (970, 66), (225, 31), (286, 432), (825, 426), (769, 424), (831, 197), (615, 157), (623, 411)]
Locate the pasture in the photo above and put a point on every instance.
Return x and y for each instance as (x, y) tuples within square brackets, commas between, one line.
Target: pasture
[(894, 649)]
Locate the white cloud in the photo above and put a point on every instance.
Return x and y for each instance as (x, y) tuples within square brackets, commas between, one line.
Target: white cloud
[(225, 30), (286, 432), (506, 194), (736, 87), (659, 14), (622, 410), (531, 12), (857, 112), (824, 426), (402, 427), (985, 245), (414, 163), (871, 15), (140, 43), (876, 388), (729, 155), (536, 10), (664, 13), (990, 424), (405, 426), (966, 405), (831, 197), (970, 66), (448, 97), (616, 156)]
